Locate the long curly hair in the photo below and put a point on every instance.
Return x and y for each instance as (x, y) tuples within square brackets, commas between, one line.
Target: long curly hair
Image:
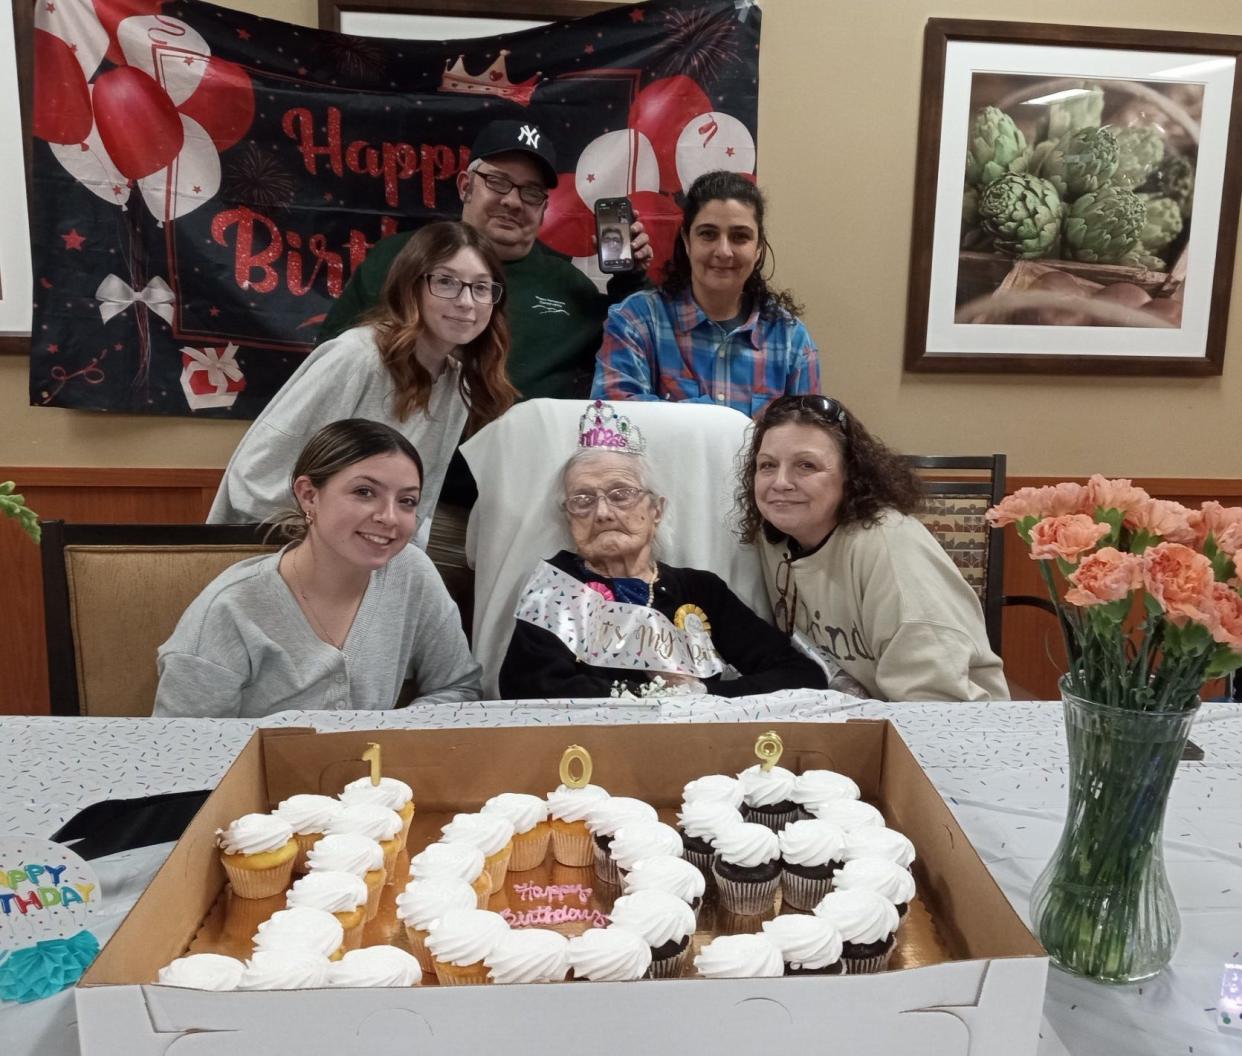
[(721, 186), (876, 477), (484, 379)]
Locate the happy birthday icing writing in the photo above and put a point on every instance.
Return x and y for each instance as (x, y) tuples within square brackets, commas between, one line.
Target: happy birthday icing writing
[(40, 895), (558, 914)]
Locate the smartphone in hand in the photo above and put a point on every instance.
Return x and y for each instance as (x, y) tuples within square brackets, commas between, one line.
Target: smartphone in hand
[(613, 217)]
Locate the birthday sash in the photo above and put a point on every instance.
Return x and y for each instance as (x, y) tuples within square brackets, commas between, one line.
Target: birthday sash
[(605, 633)]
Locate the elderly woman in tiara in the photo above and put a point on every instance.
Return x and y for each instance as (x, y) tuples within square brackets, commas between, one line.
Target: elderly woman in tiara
[(610, 619)]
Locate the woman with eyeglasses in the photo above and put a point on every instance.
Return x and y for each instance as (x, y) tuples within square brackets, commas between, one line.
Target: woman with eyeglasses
[(608, 619), (428, 360), (858, 579)]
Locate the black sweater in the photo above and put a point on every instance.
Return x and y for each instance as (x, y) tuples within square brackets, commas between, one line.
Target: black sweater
[(538, 664)]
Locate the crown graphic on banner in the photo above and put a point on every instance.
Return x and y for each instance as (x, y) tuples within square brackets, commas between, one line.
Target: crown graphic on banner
[(601, 426), (492, 81)]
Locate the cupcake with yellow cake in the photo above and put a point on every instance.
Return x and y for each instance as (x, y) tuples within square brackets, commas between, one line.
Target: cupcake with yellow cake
[(460, 943), (340, 893), (308, 816), (257, 852), (379, 823), (422, 903), (531, 832), (351, 852), (572, 843), (490, 833), (390, 792), (455, 861), (314, 931)]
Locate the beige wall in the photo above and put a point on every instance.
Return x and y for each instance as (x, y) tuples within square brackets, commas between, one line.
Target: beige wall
[(840, 176)]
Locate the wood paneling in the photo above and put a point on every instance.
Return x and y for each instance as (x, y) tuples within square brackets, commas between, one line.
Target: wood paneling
[(1034, 657)]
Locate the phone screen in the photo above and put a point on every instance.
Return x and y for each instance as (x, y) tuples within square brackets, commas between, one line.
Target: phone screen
[(612, 233)]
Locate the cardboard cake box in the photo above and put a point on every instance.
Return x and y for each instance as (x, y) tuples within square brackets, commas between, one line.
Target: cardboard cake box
[(986, 997)]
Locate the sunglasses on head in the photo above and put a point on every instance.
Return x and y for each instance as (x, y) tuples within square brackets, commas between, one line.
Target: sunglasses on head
[(825, 407)]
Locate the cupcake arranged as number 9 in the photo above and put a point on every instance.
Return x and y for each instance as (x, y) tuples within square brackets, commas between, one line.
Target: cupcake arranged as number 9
[(428, 359)]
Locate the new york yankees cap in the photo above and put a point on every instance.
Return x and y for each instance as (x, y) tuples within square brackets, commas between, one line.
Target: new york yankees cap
[(505, 137)]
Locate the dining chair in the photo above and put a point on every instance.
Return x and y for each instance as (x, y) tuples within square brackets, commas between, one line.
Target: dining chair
[(114, 592)]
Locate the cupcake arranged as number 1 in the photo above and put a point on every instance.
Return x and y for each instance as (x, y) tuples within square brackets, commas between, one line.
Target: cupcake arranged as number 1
[(381, 791)]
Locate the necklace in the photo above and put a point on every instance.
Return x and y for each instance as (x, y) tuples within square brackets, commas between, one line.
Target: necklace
[(655, 577), (309, 608)]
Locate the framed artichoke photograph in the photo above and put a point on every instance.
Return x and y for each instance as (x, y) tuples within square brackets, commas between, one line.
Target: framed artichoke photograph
[(1076, 200)]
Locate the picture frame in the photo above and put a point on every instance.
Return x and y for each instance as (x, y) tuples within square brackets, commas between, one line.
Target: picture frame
[(1076, 200), (16, 279)]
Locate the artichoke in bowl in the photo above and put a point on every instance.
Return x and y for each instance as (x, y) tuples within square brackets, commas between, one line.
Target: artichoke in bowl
[(994, 147), (1082, 162), (1140, 150), (1022, 214), (1103, 227), (1163, 224)]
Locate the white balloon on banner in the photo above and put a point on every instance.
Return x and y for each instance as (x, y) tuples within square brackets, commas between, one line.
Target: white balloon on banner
[(88, 162), (616, 164), (76, 23), (166, 48), (713, 141), (190, 179)]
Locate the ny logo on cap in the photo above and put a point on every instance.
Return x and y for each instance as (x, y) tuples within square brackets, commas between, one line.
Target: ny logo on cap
[(529, 134)]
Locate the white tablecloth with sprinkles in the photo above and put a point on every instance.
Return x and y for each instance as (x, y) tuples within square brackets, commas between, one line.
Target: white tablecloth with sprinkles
[(1001, 768)]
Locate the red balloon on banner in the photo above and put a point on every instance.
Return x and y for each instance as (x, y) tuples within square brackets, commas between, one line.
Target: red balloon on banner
[(140, 128), (62, 102), (568, 225), (111, 13), (223, 103), (660, 112), (661, 219)]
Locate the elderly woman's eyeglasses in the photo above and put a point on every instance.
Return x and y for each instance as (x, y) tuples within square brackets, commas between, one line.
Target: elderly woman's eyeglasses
[(825, 406), (449, 286), (583, 503), (785, 611)]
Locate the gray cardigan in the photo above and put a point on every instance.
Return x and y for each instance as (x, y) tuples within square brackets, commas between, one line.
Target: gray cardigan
[(244, 649), (342, 378)]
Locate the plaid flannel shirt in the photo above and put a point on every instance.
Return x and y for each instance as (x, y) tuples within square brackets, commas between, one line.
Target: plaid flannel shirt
[(666, 348)]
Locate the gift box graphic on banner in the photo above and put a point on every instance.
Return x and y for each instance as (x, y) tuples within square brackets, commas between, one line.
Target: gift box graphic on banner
[(210, 377)]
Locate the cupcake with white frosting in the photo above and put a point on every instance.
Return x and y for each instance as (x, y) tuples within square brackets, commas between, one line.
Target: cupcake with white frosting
[(257, 852), (740, 957), (701, 820), (879, 875), (717, 788), (636, 840), (341, 893), (848, 814), (747, 868), (529, 955), (567, 812), (872, 842), (768, 796), (604, 819), (612, 954), (666, 873), (809, 945), (308, 817), (202, 971), (379, 823), (423, 902), (351, 852), (312, 930), (490, 833), (531, 833), (461, 861), (815, 787), (460, 941), (391, 793), (664, 921), (811, 852), (287, 969), (375, 966), (868, 925)]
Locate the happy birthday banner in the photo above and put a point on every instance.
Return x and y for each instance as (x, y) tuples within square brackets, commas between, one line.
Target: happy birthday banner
[(205, 181)]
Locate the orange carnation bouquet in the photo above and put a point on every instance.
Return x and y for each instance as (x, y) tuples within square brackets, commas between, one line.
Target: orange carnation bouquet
[(1101, 544)]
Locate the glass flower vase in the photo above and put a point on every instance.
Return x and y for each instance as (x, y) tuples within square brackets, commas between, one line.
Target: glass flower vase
[(1102, 907)]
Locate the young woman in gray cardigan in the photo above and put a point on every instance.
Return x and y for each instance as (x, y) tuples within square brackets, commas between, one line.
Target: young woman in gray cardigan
[(343, 615)]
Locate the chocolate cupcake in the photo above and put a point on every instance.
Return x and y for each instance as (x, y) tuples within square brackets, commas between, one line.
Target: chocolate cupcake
[(664, 921), (879, 875), (701, 821), (666, 873), (815, 787), (611, 954), (717, 788), (811, 851), (768, 795), (867, 923), (872, 842), (848, 814), (740, 957), (809, 945), (636, 840), (747, 868), (603, 820)]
